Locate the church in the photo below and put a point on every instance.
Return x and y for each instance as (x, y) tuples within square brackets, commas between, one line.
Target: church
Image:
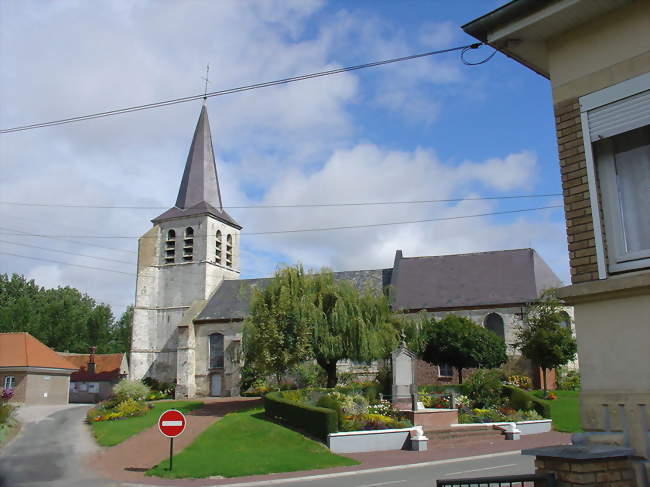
[(190, 302)]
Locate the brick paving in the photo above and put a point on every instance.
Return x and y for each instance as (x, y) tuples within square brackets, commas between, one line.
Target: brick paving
[(128, 461)]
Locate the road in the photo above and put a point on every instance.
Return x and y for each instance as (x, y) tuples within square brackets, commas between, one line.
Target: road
[(50, 450)]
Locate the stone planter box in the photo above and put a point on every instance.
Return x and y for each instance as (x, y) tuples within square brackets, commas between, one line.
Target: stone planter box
[(373, 440), (433, 419), (512, 431)]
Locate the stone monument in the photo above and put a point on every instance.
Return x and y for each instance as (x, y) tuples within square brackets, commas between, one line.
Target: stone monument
[(403, 376)]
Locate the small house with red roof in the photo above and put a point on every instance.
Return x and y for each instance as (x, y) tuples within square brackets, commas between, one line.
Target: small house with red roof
[(96, 374), (35, 372)]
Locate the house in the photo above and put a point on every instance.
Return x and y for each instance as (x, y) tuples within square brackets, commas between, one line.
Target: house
[(596, 55), (36, 373), (190, 302), (96, 374)]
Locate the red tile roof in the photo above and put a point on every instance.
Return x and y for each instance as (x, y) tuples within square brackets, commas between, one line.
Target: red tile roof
[(107, 366), (23, 350)]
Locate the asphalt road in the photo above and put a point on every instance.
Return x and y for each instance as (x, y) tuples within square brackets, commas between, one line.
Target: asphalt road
[(49, 451)]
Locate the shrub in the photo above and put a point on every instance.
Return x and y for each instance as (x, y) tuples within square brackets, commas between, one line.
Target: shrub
[(6, 411), (309, 375), (384, 378), (318, 421), (567, 380), (484, 388), (6, 394), (130, 408), (130, 389), (524, 400), (385, 408)]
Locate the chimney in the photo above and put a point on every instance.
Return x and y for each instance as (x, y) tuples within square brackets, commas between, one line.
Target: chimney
[(91, 360)]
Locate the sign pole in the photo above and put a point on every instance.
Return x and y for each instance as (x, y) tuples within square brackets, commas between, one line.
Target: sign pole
[(171, 452)]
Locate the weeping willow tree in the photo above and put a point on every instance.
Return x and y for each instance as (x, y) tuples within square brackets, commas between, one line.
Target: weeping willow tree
[(348, 324), (303, 316)]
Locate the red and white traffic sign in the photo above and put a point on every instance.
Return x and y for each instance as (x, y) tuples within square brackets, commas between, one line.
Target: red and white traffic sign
[(171, 423)]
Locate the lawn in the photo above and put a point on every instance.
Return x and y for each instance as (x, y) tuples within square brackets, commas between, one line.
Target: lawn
[(245, 443), (565, 411), (109, 433)]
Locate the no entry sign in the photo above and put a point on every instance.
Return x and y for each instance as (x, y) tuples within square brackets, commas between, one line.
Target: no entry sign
[(171, 423)]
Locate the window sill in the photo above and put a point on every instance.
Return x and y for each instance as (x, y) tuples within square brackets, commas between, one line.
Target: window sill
[(632, 284)]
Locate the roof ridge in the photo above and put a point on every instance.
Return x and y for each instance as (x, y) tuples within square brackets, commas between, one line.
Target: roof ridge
[(468, 253)]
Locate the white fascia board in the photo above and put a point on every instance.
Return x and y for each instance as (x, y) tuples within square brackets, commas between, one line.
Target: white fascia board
[(614, 93), (46, 370)]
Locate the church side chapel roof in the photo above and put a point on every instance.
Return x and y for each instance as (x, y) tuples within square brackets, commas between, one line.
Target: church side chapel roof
[(505, 277), (467, 280), (230, 301), (199, 192)]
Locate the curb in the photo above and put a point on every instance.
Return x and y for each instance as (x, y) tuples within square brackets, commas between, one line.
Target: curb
[(348, 473)]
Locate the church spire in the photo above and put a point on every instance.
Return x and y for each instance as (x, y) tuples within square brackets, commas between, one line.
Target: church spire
[(199, 191)]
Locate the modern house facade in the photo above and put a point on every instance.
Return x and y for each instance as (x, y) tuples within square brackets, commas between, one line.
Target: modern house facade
[(596, 55), (35, 372)]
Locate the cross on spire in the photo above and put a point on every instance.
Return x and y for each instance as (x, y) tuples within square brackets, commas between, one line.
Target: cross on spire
[(207, 80)]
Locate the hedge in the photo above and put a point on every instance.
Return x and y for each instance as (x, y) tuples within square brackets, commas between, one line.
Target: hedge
[(314, 420), (520, 399)]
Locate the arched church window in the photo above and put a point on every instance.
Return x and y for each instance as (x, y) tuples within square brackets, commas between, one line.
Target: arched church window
[(229, 250), (217, 254), (188, 245), (494, 323), (565, 320), (216, 351), (170, 247)]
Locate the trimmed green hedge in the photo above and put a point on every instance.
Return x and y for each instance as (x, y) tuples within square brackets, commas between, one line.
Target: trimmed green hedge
[(520, 399), (317, 421)]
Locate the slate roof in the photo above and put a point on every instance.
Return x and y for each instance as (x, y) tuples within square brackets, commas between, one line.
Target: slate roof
[(230, 301), (199, 191), (469, 280), (107, 366), (23, 350), (506, 277)]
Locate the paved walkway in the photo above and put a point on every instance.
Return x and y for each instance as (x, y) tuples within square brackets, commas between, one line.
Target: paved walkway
[(127, 461)]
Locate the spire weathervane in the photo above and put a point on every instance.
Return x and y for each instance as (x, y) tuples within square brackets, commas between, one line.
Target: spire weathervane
[(207, 80)]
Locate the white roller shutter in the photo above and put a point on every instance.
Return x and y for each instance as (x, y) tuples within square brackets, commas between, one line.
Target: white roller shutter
[(620, 116)]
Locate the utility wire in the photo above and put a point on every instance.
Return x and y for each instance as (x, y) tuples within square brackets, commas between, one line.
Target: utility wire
[(239, 89), (322, 229), (67, 263), (105, 259), (306, 205)]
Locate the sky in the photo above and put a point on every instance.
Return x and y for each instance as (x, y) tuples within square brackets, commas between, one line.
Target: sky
[(425, 129)]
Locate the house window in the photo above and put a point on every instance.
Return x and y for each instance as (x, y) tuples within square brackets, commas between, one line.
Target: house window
[(170, 247), (218, 248), (9, 382), (93, 387), (616, 130), (445, 370), (494, 323), (229, 251), (188, 245), (216, 351)]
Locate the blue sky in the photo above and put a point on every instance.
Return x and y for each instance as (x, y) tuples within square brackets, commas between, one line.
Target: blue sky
[(423, 129)]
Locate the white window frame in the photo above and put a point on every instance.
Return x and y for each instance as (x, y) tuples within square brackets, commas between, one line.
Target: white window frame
[(9, 382), (93, 387), (440, 374), (618, 261)]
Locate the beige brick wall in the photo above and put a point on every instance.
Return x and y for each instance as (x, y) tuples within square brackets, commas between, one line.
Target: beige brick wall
[(575, 188)]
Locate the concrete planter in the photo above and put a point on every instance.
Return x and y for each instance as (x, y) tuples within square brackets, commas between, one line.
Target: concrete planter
[(432, 419), (374, 440), (513, 431)]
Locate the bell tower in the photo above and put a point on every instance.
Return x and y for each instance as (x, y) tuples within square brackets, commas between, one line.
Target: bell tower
[(182, 259)]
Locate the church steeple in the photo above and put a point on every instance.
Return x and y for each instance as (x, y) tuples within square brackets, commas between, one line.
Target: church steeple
[(200, 182), (199, 191)]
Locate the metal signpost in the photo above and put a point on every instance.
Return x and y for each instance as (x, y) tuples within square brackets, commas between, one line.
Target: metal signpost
[(171, 424)]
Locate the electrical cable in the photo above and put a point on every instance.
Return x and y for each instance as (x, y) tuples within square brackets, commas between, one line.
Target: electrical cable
[(106, 259), (306, 205), (469, 63), (67, 263), (239, 89)]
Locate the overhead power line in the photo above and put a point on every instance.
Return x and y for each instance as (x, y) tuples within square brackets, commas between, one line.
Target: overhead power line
[(305, 205), (322, 229), (254, 86), (67, 263), (105, 259)]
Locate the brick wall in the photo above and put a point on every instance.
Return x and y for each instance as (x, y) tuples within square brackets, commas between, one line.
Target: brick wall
[(577, 206), (588, 473)]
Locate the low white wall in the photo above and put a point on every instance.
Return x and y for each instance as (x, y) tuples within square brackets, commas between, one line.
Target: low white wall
[(525, 427), (374, 440)]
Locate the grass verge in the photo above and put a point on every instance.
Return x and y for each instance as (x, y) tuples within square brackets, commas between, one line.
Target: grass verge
[(110, 433), (245, 443), (565, 411)]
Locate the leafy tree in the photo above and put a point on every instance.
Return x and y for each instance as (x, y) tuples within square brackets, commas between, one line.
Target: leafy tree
[(461, 343), (121, 332), (301, 316), (542, 339)]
